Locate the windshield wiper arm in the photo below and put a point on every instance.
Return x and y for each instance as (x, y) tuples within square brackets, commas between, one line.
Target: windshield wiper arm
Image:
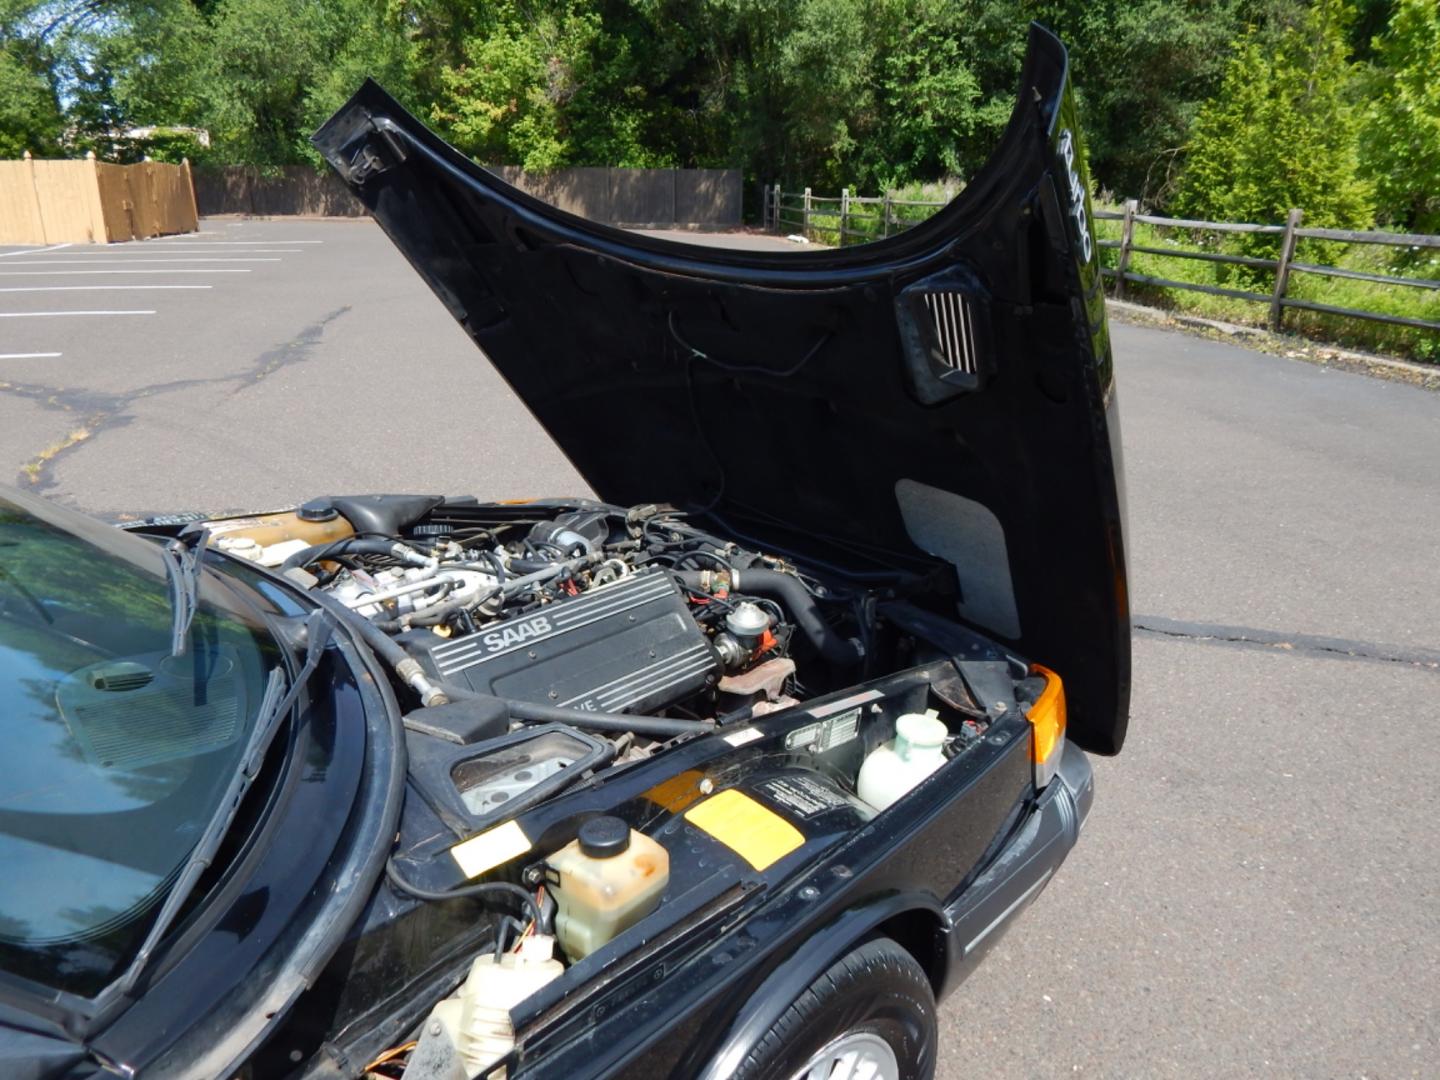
[(184, 557), (275, 706)]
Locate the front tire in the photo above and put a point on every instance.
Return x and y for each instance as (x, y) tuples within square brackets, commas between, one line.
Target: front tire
[(871, 1015)]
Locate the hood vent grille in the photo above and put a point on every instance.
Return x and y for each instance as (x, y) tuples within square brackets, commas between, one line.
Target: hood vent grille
[(954, 330)]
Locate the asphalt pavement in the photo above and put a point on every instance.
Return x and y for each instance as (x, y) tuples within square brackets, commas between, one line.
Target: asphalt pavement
[(1257, 891)]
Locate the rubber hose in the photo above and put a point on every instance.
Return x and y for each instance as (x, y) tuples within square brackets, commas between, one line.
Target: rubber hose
[(359, 545), (663, 727), (464, 892)]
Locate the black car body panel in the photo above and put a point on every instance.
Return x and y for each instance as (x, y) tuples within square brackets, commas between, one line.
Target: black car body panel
[(961, 368)]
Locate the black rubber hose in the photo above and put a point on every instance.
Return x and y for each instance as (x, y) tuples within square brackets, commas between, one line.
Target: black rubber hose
[(532, 566), (464, 892), (661, 727), (797, 600), (353, 545)]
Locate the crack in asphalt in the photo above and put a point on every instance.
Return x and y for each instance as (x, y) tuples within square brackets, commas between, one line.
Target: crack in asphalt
[(98, 411), (1313, 645)]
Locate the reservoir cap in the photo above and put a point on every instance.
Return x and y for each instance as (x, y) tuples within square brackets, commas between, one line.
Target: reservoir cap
[(604, 837), (317, 510)]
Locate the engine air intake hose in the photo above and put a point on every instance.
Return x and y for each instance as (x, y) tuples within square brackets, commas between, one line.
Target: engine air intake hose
[(797, 600)]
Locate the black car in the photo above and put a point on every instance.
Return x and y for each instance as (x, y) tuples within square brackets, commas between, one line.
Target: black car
[(734, 773)]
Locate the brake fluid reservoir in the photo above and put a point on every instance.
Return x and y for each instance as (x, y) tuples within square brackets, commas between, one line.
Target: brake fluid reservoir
[(917, 750), (605, 881)]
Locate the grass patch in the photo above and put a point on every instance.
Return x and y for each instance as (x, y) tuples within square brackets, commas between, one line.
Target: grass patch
[(1340, 292)]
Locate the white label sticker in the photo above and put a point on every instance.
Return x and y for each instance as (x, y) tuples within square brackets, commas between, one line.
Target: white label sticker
[(743, 736)]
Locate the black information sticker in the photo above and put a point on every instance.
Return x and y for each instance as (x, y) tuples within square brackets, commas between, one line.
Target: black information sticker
[(803, 796)]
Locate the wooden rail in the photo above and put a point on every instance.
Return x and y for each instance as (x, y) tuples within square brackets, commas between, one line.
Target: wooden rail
[(798, 212), (1291, 233)]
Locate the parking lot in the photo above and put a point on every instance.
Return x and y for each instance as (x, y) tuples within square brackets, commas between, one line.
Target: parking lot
[(1258, 889)]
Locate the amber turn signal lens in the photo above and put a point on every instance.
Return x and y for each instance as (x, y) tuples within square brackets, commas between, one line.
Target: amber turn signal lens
[(1047, 726)]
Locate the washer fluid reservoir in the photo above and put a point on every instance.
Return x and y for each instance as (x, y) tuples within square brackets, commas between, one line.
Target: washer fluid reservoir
[(470, 1031), (604, 882), (917, 750)]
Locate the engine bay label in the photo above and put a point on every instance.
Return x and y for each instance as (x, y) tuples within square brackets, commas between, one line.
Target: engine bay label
[(743, 736), (753, 831), (802, 796), (825, 734), (490, 848)]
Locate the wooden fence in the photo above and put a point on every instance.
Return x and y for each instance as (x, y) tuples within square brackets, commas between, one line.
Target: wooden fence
[(1282, 268), (89, 201), (703, 198), (837, 217), (811, 215)]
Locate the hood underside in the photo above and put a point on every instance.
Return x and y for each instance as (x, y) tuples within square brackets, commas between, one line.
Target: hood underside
[(943, 398)]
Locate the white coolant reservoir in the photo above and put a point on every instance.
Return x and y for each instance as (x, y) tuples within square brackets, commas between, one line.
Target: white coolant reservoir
[(469, 1032), (917, 750), (605, 881)]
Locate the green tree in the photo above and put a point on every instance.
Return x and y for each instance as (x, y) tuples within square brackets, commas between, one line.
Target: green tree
[(30, 114), (1400, 144), (544, 85), (1282, 132)]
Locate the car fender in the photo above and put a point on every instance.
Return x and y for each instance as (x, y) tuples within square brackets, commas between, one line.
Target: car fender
[(809, 960)]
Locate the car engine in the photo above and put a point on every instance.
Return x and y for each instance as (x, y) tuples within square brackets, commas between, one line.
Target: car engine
[(587, 608)]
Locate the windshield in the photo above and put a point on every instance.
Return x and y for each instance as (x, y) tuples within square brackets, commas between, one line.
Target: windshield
[(116, 752)]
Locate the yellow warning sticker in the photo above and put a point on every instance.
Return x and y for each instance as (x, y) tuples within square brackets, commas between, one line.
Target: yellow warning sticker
[(754, 832), (490, 848), (678, 793)]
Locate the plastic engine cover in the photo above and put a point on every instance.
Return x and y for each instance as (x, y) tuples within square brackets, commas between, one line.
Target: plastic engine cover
[(628, 647)]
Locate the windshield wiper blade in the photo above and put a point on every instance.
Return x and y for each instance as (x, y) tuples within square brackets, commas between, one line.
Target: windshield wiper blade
[(184, 556), (275, 707)]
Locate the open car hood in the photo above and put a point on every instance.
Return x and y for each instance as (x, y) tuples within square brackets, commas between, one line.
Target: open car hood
[(940, 399)]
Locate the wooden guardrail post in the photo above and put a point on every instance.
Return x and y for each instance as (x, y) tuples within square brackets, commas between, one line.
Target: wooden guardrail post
[(1282, 271), (806, 229), (1127, 234), (885, 215), (844, 214)]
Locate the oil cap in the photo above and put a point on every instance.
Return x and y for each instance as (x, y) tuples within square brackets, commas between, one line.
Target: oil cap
[(604, 837), (317, 510)]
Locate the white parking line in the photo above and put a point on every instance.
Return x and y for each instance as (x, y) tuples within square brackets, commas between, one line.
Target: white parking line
[(196, 247), (33, 251), (28, 355), (62, 314), (48, 273), (71, 261), (186, 241), (92, 288)]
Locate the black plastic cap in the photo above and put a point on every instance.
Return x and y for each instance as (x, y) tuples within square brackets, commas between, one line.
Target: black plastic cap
[(317, 510), (604, 837)]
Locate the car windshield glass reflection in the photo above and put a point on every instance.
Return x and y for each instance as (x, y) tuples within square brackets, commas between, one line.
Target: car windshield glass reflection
[(117, 751)]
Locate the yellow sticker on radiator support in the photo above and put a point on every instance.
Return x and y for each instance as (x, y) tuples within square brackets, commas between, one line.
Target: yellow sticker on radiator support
[(753, 831), (490, 848)]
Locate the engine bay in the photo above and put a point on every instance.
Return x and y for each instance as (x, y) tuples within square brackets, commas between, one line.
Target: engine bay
[(559, 666)]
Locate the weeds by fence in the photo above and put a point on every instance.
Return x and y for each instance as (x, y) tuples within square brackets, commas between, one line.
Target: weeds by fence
[(1345, 286), (845, 219)]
